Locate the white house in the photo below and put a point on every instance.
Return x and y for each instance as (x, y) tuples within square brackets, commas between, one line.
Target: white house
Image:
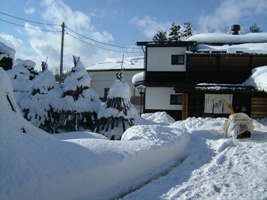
[(104, 73)]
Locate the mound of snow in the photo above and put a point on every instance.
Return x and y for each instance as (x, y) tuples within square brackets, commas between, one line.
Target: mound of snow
[(159, 117), (36, 165), (258, 78)]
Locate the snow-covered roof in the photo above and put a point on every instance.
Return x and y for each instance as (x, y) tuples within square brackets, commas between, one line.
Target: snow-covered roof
[(131, 63), (253, 48), (254, 43), (258, 78), (223, 38)]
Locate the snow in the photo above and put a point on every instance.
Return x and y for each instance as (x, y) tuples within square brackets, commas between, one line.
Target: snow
[(255, 43), (138, 77), (258, 78), (224, 38), (115, 64), (253, 48), (36, 165), (6, 51), (157, 159)]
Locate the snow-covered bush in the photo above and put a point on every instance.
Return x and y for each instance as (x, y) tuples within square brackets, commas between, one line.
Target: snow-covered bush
[(118, 113), (80, 103)]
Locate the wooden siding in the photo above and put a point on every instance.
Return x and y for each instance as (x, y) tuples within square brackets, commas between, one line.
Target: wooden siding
[(165, 77), (218, 68), (185, 106), (258, 107), (259, 61)]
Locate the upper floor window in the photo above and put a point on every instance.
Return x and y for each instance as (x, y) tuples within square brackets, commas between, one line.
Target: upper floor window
[(176, 99), (177, 59)]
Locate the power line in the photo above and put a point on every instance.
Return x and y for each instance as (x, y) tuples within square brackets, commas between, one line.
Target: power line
[(48, 24), (101, 42), (97, 45), (26, 20), (39, 29)]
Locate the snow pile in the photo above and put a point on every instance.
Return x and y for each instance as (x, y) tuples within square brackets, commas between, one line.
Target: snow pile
[(6, 52), (258, 78), (35, 165), (159, 117), (215, 168)]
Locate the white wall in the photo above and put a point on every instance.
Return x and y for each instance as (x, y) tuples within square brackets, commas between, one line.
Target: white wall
[(104, 79), (159, 98), (159, 58)]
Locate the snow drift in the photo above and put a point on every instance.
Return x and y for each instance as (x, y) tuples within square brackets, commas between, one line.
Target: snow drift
[(36, 165)]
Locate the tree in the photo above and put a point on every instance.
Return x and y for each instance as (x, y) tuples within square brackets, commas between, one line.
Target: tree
[(226, 29), (160, 37), (188, 31), (255, 29), (118, 113), (39, 106), (80, 102), (175, 33)]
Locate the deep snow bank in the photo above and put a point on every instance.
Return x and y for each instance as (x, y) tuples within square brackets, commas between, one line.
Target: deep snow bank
[(35, 165)]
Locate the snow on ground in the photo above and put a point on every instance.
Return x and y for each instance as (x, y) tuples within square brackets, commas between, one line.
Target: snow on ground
[(165, 159), (36, 165), (215, 168)]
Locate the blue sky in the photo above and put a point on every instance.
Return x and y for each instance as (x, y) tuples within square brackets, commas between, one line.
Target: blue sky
[(115, 22)]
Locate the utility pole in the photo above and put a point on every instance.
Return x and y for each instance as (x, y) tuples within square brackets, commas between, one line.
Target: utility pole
[(61, 53)]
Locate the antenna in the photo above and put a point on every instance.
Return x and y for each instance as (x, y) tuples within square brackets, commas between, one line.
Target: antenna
[(120, 75)]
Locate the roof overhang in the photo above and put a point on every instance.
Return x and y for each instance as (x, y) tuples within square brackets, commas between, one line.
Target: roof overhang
[(217, 89)]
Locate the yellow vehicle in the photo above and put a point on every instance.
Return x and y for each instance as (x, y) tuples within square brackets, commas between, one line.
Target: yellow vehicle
[(238, 125)]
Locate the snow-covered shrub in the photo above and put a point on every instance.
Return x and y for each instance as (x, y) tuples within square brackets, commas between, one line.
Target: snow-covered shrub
[(118, 113), (80, 103)]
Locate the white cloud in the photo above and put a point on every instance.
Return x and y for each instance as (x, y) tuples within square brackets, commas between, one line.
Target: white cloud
[(29, 11), (231, 12), (39, 44), (149, 26), (48, 44)]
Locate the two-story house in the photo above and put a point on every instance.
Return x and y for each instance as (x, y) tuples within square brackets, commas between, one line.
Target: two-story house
[(196, 77)]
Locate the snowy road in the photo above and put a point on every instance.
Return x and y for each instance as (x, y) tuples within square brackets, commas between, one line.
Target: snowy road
[(216, 168)]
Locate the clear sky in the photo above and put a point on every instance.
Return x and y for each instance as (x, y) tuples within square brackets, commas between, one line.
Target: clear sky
[(92, 24)]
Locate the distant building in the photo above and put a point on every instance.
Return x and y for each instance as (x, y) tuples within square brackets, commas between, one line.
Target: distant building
[(194, 78), (104, 73)]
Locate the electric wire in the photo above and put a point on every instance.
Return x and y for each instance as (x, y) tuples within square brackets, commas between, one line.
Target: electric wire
[(39, 29), (47, 24), (98, 45), (99, 41), (26, 20)]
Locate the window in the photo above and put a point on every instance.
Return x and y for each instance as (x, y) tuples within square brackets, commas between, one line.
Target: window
[(176, 99), (177, 59)]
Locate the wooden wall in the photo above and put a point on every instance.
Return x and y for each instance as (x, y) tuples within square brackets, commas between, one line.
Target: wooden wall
[(258, 107)]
